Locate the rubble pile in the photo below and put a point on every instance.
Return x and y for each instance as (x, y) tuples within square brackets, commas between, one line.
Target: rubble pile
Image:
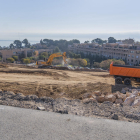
[(116, 106), (130, 97)]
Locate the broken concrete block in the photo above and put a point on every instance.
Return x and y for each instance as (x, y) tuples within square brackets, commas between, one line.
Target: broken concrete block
[(136, 102), (41, 108), (129, 100), (110, 98), (118, 101), (100, 99)]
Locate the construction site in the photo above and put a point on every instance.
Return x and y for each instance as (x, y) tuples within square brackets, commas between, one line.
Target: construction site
[(86, 92)]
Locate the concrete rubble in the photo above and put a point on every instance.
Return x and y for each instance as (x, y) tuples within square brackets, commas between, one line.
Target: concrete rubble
[(116, 106)]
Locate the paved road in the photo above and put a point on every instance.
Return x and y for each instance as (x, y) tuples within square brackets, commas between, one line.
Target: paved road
[(27, 124)]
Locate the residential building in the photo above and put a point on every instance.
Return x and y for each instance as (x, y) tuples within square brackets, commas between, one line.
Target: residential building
[(127, 52), (4, 54)]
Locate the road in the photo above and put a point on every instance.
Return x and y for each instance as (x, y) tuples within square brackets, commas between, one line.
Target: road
[(26, 124)]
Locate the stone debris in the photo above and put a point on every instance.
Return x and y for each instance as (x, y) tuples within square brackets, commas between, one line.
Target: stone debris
[(41, 108), (118, 101), (109, 105), (129, 100), (110, 98), (136, 102), (100, 99), (114, 117)]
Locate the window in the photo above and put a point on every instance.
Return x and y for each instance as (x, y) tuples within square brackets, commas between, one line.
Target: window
[(128, 55), (137, 56), (132, 56)]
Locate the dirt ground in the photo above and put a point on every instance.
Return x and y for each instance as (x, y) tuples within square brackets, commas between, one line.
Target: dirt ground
[(53, 83)]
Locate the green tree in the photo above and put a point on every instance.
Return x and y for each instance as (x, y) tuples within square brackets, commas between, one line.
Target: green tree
[(56, 50), (25, 41), (41, 57), (86, 41), (11, 46), (112, 40), (45, 54), (18, 43), (97, 40), (15, 57), (11, 60), (26, 61)]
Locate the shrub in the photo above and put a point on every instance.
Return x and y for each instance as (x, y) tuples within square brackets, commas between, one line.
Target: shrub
[(15, 57), (106, 63), (26, 61), (78, 62), (96, 65), (11, 60)]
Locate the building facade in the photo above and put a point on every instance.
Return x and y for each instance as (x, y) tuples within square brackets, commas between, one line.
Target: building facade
[(4, 54), (127, 52)]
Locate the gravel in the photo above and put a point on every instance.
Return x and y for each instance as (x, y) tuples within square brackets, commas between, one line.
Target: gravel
[(77, 107)]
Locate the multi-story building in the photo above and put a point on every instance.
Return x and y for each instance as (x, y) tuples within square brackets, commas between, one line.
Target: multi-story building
[(4, 54), (129, 53)]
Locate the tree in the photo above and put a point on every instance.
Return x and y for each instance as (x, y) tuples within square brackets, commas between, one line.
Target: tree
[(106, 63), (112, 40), (41, 57), (41, 42), (97, 40), (26, 61), (45, 54), (83, 62), (86, 41), (56, 50), (15, 57), (18, 43), (11, 60), (96, 65), (11, 46), (25, 41), (75, 41)]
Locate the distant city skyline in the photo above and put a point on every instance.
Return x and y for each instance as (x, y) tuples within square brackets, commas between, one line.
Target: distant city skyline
[(38, 19)]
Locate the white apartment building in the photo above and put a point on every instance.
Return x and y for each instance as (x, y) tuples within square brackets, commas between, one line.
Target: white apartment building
[(129, 53)]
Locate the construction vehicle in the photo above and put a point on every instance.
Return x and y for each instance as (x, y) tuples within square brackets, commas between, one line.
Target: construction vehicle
[(125, 73), (48, 62)]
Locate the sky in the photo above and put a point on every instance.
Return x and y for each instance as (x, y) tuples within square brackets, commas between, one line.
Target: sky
[(42, 18)]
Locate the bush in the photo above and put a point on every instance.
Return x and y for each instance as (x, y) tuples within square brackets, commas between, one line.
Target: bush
[(96, 65), (106, 63), (15, 57), (45, 54), (78, 62), (41, 57), (26, 61), (11, 60)]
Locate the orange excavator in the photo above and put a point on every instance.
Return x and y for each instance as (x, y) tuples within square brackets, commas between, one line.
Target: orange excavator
[(48, 62)]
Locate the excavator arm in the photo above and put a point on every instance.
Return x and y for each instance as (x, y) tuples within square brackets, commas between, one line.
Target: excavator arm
[(50, 59)]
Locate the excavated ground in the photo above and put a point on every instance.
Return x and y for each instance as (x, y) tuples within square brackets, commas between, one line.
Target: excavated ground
[(65, 89), (53, 83)]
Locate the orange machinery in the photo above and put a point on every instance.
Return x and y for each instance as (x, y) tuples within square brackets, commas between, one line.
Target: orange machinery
[(124, 73)]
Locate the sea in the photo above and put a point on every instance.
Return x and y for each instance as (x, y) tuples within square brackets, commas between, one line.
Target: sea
[(33, 38)]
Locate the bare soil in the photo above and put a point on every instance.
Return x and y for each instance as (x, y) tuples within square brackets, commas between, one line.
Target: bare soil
[(53, 83)]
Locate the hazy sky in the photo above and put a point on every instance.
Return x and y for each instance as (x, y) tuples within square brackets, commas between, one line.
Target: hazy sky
[(69, 16)]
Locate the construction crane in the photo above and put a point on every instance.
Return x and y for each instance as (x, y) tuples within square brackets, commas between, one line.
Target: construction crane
[(50, 59)]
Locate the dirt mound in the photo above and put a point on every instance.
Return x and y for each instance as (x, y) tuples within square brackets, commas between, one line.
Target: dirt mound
[(3, 65)]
